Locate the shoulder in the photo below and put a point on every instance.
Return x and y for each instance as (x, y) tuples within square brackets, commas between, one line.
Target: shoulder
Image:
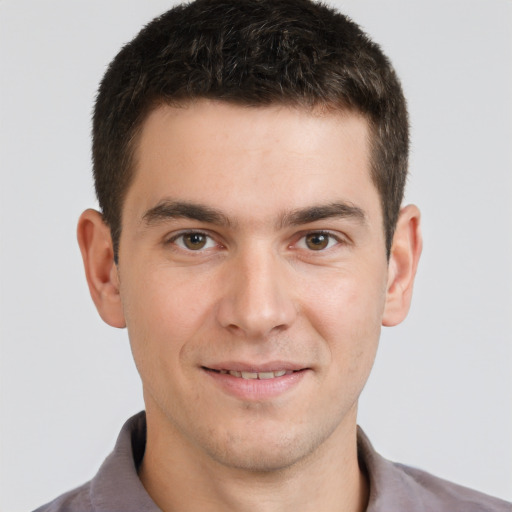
[(436, 494), (399, 488), (77, 500), (116, 486)]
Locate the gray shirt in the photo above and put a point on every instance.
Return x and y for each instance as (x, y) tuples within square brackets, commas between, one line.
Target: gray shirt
[(393, 487)]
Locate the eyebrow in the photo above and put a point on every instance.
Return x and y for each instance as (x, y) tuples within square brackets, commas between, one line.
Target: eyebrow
[(314, 213), (169, 209)]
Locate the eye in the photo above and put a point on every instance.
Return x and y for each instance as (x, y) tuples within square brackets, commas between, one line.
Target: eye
[(317, 241), (194, 241)]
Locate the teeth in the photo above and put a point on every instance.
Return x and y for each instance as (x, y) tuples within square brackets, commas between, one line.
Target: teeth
[(266, 375), (249, 375), (257, 375)]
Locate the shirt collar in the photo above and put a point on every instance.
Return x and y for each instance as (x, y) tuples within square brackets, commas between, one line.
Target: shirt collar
[(117, 486)]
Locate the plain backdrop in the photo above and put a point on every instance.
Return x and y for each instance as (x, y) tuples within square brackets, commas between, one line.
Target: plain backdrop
[(440, 396)]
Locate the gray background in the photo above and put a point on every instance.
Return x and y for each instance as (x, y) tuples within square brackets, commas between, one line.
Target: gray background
[(440, 397)]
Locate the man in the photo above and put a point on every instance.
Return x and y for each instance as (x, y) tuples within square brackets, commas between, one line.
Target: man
[(249, 160)]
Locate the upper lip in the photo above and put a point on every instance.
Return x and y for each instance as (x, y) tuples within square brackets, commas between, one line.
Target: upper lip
[(270, 366)]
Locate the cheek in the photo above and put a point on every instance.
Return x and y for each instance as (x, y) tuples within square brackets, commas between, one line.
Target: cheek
[(347, 312), (346, 299), (164, 309)]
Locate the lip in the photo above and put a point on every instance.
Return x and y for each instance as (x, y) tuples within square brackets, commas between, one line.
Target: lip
[(253, 367), (256, 389)]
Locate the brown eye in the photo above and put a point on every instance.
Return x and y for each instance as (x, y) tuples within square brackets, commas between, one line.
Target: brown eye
[(194, 241), (317, 241)]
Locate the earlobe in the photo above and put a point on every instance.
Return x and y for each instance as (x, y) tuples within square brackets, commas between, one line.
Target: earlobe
[(100, 269), (403, 262)]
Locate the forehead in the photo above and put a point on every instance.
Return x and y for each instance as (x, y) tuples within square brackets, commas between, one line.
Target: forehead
[(251, 158)]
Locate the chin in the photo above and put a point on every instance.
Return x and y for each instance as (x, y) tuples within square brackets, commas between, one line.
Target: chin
[(259, 459), (261, 450)]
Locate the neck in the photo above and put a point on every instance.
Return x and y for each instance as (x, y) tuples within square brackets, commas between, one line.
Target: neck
[(178, 476)]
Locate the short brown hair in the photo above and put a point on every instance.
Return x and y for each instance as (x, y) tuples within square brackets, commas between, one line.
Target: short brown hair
[(250, 52)]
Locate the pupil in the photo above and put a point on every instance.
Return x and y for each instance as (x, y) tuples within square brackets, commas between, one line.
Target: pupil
[(195, 241), (317, 241)]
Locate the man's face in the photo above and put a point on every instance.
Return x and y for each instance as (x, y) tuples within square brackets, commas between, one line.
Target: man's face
[(253, 246)]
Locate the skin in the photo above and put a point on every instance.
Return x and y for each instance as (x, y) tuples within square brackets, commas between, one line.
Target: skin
[(285, 267)]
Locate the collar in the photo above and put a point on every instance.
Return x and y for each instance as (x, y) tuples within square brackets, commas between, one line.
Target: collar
[(394, 487)]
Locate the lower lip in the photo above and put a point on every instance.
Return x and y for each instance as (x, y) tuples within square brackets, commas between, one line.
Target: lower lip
[(256, 389)]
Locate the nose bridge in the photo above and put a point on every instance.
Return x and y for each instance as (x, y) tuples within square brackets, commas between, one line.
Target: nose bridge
[(258, 297)]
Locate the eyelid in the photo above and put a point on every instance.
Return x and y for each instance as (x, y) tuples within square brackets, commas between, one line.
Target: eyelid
[(171, 240), (337, 237)]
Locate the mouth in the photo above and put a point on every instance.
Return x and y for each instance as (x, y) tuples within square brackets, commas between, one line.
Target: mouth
[(256, 383), (253, 375)]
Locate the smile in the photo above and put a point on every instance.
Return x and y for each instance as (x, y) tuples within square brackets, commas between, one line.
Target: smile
[(250, 383), (255, 375)]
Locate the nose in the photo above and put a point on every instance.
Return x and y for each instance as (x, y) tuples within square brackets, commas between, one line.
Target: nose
[(258, 295)]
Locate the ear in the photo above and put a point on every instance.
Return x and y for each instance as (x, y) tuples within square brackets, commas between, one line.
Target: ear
[(100, 269), (403, 262)]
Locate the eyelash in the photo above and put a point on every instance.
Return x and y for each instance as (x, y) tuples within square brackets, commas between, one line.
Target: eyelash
[(183, 234), (332, 241)]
